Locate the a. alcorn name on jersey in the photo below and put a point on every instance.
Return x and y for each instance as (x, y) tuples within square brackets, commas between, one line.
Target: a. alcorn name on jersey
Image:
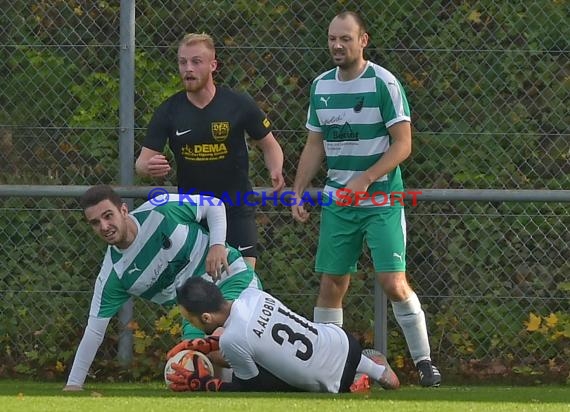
[(170, 247), (353, 117), (262, 330)]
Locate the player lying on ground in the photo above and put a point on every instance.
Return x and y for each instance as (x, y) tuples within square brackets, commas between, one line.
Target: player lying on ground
[(151, 250), (271, 348)]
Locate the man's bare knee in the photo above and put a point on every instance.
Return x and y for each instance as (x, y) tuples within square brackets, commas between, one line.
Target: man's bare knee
[(332, 290), (395, 285)]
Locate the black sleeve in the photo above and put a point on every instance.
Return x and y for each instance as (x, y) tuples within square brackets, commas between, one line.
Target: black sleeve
[(256, 123), (263, 382), (158, 129)]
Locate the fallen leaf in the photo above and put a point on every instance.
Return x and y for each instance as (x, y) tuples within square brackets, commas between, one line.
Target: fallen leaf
[(474, 16), (552, 320), (59, 367), (533, 323), (133, 325), (399, 363)]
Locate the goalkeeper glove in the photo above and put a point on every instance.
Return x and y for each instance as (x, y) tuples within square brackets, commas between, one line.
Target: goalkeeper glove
[(204, 345), (198, 380)]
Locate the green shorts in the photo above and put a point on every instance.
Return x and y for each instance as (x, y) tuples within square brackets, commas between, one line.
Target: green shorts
[(231, 289), (343, 231)]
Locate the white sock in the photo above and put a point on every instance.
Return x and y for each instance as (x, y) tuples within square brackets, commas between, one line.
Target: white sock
[(328, 315), (369, 367), (412, 320)]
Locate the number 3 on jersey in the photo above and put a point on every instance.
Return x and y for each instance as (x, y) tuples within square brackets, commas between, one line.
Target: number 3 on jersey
[(293, 336)]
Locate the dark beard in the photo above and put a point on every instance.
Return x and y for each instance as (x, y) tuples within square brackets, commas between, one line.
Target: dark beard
[(346, 64)]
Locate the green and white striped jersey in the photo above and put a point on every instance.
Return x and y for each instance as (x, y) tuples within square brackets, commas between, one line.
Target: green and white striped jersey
[(354, 117), (170, 247)]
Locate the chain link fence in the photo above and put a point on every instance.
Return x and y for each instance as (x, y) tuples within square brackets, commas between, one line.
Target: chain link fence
[(488, 84)]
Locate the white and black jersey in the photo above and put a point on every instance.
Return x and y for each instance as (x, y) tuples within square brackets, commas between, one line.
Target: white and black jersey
[(262, 333)]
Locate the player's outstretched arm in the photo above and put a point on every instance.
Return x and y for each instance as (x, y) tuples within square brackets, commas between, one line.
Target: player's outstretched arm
[(214, 211), (86, 351), (200, 380)]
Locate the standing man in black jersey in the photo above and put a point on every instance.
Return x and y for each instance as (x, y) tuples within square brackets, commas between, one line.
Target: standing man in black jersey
[(205, 126)]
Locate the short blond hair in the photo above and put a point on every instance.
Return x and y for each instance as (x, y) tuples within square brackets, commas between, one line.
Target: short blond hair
[(193, 38)]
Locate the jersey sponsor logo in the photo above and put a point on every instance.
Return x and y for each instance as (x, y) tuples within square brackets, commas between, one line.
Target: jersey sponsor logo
[(182, 132), (359, 105), (205, 152), (134, 269), (266, 123), (165, 273), (342, 133), (398, 256), (325, 101), (220, 130), (333, 120)]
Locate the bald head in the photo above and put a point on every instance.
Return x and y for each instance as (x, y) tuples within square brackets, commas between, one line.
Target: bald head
[(353, 18), (347, 39)]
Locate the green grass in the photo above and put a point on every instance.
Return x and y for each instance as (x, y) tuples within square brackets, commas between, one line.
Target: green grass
[(121, 397)]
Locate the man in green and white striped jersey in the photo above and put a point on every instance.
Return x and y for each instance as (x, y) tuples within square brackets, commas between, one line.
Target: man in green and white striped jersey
[(151, 251), (359, 119)]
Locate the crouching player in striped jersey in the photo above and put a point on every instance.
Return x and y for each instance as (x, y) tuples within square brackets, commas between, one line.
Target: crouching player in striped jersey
[(151, 251), (271, 348)]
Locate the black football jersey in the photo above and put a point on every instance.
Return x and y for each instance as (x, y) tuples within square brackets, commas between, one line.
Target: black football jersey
[(209, 143)]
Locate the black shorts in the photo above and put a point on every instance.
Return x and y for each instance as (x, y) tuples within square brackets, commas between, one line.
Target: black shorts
[(352, 361), (242, 230)]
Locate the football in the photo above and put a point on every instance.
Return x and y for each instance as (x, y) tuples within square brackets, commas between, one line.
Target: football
[(185, 358)]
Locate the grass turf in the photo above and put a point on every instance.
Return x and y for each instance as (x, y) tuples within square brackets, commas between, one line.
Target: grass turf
[(122, 397)]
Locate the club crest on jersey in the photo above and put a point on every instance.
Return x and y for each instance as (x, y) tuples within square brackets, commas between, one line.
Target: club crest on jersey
[(166, 242), (359, 104), (220, 130)]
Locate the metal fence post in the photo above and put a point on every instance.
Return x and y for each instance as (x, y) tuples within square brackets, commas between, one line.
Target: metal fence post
[(126, 148), (380, 319)]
